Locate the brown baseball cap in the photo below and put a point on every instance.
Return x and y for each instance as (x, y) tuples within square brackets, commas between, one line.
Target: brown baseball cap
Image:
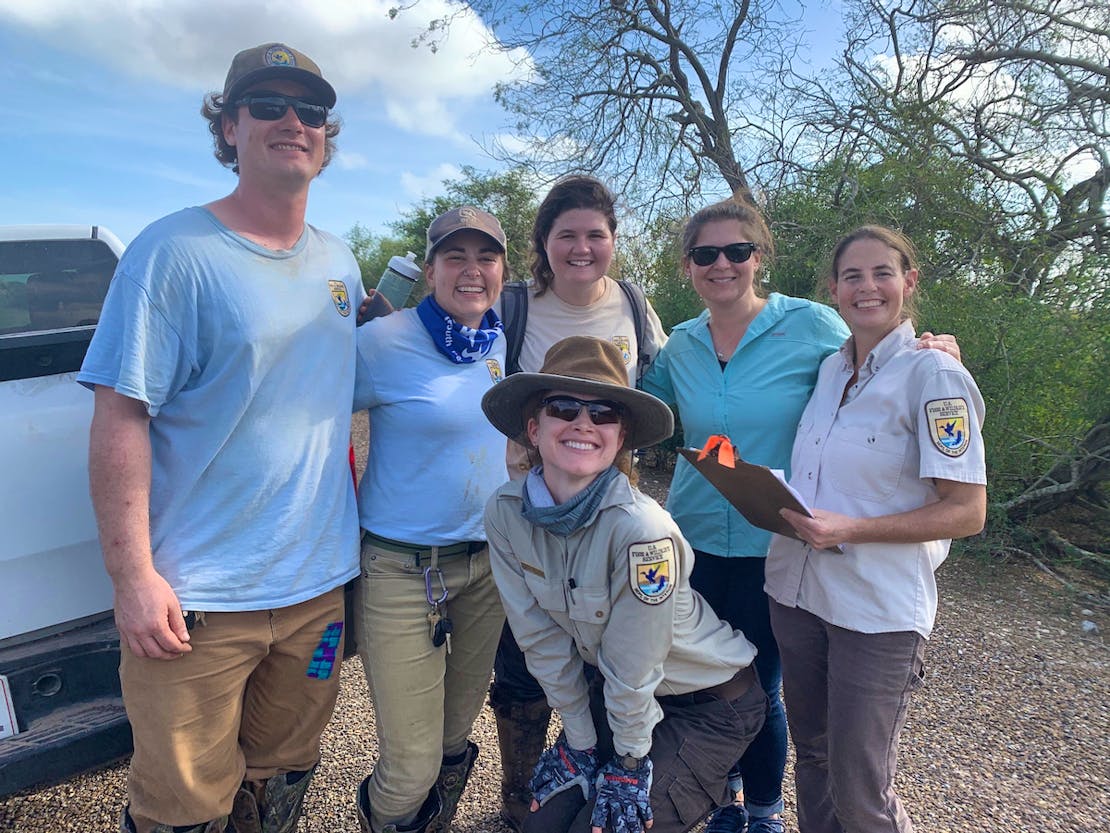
[(457, 219), (275, 60)]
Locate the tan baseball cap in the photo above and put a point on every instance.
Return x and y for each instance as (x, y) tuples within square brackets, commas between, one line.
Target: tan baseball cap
[(275, 60), (457, 219)]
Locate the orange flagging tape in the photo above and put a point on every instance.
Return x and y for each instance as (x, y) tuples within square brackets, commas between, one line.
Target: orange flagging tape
[(726, 456)]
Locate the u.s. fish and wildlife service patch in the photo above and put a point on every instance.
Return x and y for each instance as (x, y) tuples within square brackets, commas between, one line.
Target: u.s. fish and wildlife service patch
[(495, 372), (651, 570), (948, 424), (625, 346), (339, 297)]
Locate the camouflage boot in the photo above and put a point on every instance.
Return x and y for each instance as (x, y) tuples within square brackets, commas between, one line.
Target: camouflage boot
[(270, 806), (429, 810), (521, 736), (450, 785), (220, 825)]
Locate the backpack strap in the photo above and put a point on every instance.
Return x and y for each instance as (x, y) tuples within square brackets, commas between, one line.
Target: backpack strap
[(638, 301), (514, 317)]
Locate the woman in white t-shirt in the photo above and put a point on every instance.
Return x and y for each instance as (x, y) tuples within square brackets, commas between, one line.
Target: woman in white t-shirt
[(889, 452)]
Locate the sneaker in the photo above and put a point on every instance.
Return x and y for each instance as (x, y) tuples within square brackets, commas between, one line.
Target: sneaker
[(732, 818), (765, 825)]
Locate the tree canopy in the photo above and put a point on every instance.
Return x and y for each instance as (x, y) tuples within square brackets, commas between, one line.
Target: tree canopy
[(979, 127), (504, 194)]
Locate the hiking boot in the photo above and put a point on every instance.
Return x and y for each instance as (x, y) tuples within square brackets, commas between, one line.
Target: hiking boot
[(270, 806), (220, 825), (521, 737), (429, 810), (765, 825), (732, 818), (450, 785)]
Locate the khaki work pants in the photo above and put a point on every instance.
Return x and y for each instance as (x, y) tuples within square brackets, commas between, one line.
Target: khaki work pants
[(425, 700), (251, 700)]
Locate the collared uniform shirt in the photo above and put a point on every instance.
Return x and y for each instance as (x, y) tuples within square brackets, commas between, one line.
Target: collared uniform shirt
[(571, 599), (912, 416), (756, 400)]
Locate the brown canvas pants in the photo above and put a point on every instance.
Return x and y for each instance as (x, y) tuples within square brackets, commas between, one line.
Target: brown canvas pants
[(251, 700)]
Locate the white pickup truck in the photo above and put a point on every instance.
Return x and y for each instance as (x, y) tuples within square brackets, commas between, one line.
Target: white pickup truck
[(60, 705)]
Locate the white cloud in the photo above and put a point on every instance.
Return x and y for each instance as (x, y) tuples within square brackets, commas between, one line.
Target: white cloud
[(189, 44), (347, 160), (181, 176), (430, 184)]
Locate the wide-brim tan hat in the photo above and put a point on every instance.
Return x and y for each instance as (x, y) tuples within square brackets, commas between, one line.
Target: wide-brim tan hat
[(585, 365)]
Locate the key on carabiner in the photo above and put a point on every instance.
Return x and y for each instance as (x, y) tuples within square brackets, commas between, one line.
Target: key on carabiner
[(443, 629), (434, 618)]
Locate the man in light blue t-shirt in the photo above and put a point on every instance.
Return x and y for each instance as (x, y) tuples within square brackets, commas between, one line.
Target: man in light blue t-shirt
[(223, 370)]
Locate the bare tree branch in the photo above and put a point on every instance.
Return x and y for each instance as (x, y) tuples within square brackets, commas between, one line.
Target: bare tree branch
[(1083, 469)]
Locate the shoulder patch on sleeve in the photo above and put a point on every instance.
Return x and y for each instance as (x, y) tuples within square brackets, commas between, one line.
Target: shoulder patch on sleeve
[(948, 425), (651, 570)]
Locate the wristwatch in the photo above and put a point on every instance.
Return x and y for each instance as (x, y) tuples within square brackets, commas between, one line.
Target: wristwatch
[(630, 762)]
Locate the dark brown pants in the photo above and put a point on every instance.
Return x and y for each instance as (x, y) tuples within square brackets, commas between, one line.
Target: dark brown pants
[(692, 749), (847, 695)]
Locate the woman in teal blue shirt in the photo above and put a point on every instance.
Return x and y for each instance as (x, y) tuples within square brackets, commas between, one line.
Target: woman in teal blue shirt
[(746, 368)]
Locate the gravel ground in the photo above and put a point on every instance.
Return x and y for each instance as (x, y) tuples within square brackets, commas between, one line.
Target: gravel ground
[(1011, 733)]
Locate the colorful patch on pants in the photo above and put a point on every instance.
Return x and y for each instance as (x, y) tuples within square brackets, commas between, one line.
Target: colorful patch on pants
[(323, 658)]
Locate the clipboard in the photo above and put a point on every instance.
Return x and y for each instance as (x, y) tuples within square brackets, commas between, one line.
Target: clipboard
[(755, 491)]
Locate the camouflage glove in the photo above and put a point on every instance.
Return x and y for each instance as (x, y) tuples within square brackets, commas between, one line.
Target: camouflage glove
[(623, 804), (560, 768)]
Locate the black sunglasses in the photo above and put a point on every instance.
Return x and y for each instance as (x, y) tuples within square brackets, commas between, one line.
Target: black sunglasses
[(567, 408), (735, 252), (272, 106)]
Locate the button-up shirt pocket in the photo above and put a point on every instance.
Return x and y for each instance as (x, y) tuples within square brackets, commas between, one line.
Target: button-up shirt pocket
[(548, 594), (589, 613), (864, 463)]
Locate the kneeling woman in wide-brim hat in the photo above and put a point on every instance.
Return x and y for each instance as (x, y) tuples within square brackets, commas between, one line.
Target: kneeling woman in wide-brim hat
[(594, 577)]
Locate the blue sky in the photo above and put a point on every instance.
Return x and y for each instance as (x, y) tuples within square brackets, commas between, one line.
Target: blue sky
[(101, 105)]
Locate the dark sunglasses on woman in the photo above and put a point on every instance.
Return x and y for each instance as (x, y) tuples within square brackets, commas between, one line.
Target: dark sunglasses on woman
[(735, 252), (567, 408), (272, 106)]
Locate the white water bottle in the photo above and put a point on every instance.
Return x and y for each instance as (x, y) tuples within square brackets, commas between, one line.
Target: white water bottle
[(399, 279)]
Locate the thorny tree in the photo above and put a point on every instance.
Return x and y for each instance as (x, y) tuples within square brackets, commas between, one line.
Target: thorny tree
[(674, 101), (663, 99), (1017, 91)]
